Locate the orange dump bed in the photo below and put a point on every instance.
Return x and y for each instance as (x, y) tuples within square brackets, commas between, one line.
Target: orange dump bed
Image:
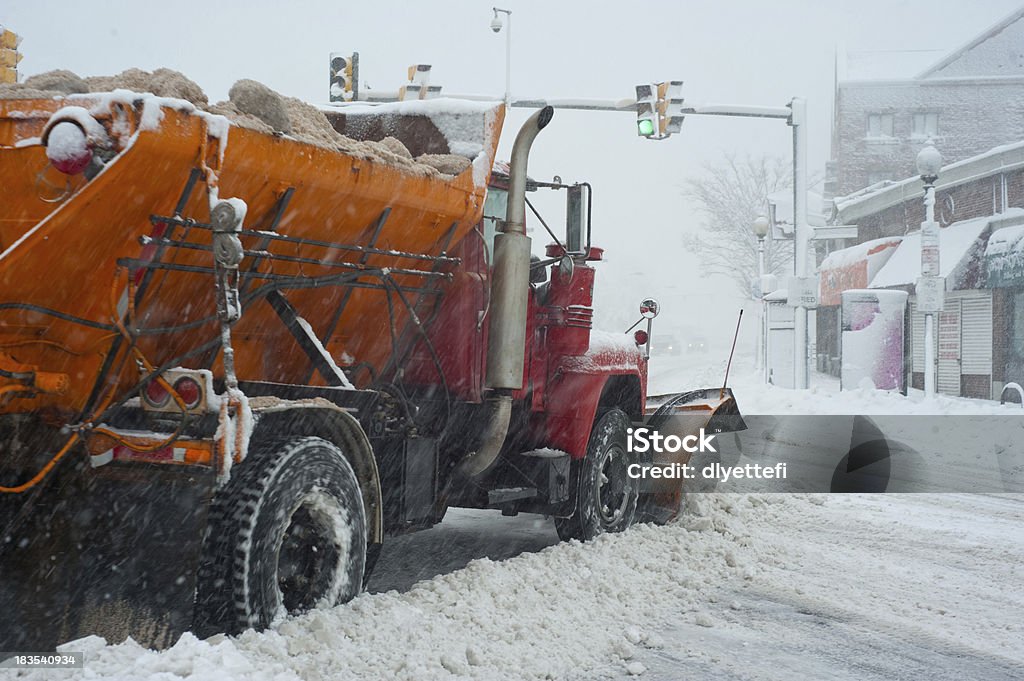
[(73, 251)]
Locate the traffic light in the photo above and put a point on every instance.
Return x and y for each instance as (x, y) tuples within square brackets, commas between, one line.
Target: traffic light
[(659, 109), (647, 111), (9, 55), (670, 110), (419, 86), (344, 77)]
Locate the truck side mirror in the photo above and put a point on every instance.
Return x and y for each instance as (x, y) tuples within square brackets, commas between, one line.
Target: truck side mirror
[(577, 219), (567, 267)]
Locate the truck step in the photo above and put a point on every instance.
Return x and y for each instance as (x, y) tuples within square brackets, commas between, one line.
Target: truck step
[(499, 497)]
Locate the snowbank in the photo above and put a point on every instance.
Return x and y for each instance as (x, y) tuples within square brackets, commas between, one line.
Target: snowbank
[(929, 572), (557, 613)]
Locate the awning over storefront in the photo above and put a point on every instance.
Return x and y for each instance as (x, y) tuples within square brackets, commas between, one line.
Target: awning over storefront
[(853, 267), (960, 252), (1004, 258)]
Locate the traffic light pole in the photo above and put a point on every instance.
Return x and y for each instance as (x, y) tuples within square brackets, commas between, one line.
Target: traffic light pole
[(795, 116), (801, 237)]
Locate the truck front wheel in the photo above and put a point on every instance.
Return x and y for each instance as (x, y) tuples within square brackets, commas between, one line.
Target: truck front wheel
[(286, 534), (606, 495)]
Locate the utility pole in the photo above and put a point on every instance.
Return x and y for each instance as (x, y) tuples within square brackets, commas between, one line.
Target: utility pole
[(801, 237)]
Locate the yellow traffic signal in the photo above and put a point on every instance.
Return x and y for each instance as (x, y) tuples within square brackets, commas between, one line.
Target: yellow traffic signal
[(9, 40), (419, 86), (9, 55), (344, 77), (670, 107), (9, 58), (662, 107)]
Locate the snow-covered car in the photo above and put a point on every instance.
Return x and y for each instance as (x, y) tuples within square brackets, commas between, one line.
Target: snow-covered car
[(667, 345), (697, 343)]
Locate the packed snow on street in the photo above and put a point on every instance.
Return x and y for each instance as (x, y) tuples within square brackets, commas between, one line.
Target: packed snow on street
[(752, 586)]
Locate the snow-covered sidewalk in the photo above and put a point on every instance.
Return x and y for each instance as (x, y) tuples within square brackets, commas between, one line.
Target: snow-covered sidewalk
[(674, 374)]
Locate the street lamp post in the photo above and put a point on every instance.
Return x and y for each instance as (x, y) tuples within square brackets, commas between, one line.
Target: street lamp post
[(496, 25), (931, 286), (760, 231), (760, 228)]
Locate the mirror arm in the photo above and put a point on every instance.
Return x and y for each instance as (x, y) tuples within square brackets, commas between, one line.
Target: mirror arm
[(543, 263), (546, 228)]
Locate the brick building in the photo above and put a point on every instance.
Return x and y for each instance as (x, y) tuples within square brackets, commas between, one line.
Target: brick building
[(980, 208), (969, 101)]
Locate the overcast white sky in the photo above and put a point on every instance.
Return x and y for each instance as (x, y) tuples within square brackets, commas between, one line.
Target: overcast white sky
[(740, 51)]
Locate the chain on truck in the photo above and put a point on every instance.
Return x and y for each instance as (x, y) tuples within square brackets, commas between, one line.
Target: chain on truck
[(233, 363)]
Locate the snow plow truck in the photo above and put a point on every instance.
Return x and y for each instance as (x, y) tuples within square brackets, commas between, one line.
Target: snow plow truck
[(233, 362)]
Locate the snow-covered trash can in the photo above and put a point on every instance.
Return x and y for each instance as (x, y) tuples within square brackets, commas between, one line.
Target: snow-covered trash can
[(873, 324), (779, 337)]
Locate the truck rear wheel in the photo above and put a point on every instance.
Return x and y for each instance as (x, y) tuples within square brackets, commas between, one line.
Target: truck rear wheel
[(606, 496), (286, 534)]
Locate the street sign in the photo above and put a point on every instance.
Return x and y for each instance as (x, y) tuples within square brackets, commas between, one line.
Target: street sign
[(835, 232), (931, 294), (930, 249), (803, 292)]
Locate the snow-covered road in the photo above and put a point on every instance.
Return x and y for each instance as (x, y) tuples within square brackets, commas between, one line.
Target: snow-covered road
[(871, 587), (745, 586)]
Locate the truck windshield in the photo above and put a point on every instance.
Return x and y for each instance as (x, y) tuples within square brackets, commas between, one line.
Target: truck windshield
[(494, 210)]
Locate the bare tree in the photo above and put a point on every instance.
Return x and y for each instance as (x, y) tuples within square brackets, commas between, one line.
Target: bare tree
[(731, 194)]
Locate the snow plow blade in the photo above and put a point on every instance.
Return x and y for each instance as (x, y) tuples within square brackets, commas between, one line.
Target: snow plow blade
[(71, 560), (711, 410)]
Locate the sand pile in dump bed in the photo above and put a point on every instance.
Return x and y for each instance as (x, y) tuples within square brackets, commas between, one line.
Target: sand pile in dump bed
[(256, 99), (162, 83), (61, 81), (251, 105), (239, 118)]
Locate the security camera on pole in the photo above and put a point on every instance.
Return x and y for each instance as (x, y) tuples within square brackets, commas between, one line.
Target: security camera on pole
[(496, 26), (930, 288)]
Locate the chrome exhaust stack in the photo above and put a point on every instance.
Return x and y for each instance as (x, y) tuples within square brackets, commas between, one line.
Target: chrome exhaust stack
[(506, 341), (510, 285)]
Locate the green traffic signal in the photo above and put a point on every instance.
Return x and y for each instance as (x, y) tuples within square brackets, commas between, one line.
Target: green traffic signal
[(645, 127)]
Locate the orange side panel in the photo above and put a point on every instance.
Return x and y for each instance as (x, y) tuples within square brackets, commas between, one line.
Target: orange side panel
[(64, 256)]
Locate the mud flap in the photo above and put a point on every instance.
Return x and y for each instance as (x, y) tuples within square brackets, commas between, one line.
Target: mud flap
[(111, 551), (683, 414)]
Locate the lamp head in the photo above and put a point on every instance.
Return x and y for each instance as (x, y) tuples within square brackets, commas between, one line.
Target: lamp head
[(761, 226), (929, 162)]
